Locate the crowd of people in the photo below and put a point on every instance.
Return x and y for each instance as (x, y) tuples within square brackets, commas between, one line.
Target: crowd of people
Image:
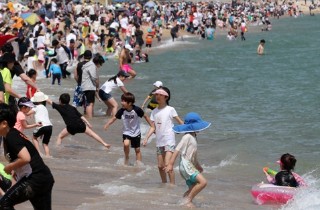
[(57, 40)]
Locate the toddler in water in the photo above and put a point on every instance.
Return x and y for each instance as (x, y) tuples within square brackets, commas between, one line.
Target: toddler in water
[(286, 177), (162, 122), (55, 71), (189, 167)]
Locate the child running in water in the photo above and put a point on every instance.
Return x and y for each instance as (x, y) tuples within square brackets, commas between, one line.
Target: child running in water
[(130, 114), (75, 122), (162, 123), (189, 167), (42, 117)]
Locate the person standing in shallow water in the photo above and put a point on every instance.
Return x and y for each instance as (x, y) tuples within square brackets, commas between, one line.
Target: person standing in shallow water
[(260, 49), (162, 122)]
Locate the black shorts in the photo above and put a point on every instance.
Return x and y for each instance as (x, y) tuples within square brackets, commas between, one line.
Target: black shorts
[(76, 128), (135, 141), (46, 131), (89, 96), (148, 45)]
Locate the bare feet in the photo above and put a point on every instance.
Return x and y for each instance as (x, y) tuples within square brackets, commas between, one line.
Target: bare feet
[(190, 205)]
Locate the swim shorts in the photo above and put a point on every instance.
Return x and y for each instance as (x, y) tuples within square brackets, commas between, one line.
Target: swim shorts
[(126, 67), (77, 128), (104, 96), (192, 180), (164, 149), (135, 141), (46, 131), (188, 171)]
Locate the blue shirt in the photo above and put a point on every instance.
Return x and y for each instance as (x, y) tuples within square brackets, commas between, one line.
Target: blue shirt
[(55, 69)]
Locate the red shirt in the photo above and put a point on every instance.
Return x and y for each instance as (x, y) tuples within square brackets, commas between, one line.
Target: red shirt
[(33, 91)]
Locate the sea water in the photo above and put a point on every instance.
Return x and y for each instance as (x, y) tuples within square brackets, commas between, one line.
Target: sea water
[(260, 107)]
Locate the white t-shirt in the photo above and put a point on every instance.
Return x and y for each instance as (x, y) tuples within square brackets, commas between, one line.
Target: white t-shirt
[(114, 25), (131, 120), (41, 115), (30, 63), (78, 9), (124, 22), (53, 6), (188, 148), (69, 37), (163, 120), (62, 56), (108, 86)]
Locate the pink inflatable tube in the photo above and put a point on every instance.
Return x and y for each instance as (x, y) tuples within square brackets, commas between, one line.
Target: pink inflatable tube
[(269, 193)]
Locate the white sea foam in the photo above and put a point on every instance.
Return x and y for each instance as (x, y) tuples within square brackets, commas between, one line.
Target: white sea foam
[(116, 189), (307, 198), (230, 160), (169, 43)]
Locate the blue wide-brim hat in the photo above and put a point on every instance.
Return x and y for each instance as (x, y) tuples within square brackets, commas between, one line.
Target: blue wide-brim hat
[(192, 123)]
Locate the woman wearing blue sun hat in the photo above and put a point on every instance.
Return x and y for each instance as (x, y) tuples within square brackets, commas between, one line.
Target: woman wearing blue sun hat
[(189, 167)]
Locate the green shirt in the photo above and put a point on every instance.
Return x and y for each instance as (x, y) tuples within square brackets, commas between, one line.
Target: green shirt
[(1, 84), (6, 76)]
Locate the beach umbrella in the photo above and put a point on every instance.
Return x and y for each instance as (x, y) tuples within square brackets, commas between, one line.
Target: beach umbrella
[(150, 4), (6, 38), (30, 17)]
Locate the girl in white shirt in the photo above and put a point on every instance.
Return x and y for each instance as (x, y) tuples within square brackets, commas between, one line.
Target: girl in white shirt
[(106, 89), (162, 122)]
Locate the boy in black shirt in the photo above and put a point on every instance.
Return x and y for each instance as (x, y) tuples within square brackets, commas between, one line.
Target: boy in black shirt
[(34, 178), (75, 122)]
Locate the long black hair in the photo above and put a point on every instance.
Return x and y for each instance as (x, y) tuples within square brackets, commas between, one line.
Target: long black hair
[(168, 91)]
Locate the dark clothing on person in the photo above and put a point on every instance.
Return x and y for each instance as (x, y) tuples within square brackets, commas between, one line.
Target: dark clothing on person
[(36, 185), (285, 178), (72, 118)]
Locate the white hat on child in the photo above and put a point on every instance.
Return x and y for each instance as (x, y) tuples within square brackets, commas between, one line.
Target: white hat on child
[(39, 97)]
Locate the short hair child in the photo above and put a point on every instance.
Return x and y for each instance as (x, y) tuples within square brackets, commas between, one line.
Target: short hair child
[(32, 74), (75, 122), (131, 133), (55, 71)]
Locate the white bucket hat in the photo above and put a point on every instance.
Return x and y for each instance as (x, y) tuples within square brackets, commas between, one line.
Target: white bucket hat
[(39, 97)]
